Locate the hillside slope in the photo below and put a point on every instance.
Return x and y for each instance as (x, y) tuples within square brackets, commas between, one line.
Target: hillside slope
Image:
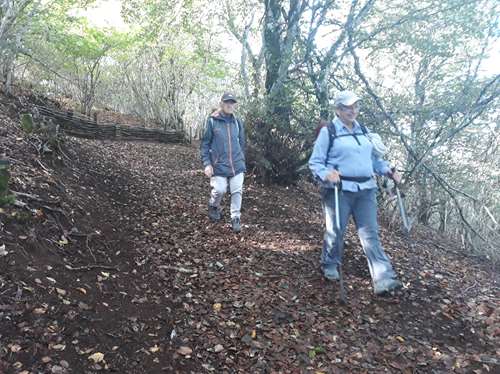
[(114, 266)]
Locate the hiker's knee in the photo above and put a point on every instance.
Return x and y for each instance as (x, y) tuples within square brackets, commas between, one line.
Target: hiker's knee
[(368, 232), (330, 235), (219, 185), (236, 189), (220, 189)]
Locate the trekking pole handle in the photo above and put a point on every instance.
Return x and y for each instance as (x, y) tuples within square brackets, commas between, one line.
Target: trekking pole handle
[(391, 175), (393, 170), (396, 184)]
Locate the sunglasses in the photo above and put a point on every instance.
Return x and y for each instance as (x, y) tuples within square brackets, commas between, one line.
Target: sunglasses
[(352, 108)]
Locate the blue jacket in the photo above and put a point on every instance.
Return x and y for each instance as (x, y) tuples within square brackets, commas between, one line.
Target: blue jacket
[(223, 145), (351, 158)]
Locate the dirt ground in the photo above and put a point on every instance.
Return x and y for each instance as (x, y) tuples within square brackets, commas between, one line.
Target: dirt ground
[(113, 266)]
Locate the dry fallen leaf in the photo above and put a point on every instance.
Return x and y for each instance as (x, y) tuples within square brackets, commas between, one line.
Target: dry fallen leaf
[(154, 349), (18, 365), (82, 290), (217, 307), (15, 348), (185, 351), (96, 357), (61, 292), (59, 347), (3, 252)]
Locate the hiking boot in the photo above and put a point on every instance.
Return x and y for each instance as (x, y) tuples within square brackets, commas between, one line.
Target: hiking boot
[(214, 213), (236, 224), (331, 272), (385, 286)]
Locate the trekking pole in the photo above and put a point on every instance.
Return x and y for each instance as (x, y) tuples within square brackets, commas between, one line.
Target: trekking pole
[(402, 211), (340, 242)]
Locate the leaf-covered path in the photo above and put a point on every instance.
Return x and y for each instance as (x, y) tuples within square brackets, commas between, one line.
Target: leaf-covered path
[(176, 293)]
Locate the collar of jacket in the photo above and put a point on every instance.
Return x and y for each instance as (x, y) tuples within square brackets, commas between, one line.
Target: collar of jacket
[(341, 126), (219, 116)]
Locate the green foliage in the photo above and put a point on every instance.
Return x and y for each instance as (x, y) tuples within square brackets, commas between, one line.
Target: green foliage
[(315, 351), (277, 151), (420, 63), (27, 123), (4, 177), (7, 200)]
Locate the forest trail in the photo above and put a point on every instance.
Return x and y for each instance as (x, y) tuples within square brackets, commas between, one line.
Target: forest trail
[(119, 270)]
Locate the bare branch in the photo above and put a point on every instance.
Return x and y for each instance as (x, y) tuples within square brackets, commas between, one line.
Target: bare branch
[(445, 185)]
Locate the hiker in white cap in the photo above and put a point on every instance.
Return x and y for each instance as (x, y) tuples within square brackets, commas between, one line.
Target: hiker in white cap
[(344, 153)]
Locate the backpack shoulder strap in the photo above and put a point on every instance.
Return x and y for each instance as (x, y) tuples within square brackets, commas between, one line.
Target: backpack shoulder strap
[(332, 132), (239, 125)]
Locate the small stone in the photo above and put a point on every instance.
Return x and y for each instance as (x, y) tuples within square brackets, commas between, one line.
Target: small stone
[(83, 306), (56, 369), (64, 364), (218, 348), (247, 339)]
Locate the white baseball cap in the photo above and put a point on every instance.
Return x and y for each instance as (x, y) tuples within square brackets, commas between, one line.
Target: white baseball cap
[(346, 98)]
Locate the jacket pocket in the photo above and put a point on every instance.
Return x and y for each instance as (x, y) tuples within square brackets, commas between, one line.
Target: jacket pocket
[(214, 156)]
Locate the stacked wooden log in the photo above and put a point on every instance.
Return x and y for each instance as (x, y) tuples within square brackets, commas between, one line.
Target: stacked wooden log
[(75, 124)]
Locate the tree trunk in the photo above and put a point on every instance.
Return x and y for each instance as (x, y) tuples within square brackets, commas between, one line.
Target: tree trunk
[(423, 198), (443, 216), (278, 54)]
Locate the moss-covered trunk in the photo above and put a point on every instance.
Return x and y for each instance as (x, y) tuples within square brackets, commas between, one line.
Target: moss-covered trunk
[(4, 178)]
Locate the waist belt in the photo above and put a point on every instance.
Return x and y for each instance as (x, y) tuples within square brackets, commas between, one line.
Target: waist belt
[(355, 179)]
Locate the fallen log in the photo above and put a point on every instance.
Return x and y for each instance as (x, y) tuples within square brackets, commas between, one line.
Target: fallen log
[(83, 127)]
